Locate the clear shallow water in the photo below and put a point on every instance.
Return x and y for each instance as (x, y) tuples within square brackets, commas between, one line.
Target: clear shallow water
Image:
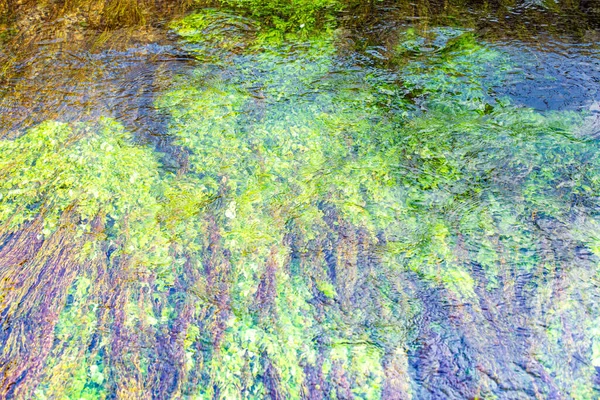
[(405, 207), (563, 75)]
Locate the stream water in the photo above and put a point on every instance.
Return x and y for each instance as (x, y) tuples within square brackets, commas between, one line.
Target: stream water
[(401, 202)]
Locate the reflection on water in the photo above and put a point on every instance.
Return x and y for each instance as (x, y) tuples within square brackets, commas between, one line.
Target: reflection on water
[(405, 206), (82, 86)]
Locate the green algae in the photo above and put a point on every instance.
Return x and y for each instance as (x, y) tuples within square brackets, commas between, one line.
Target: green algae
[(402, 176), (52, 167), (92, 188), (288, 17), (316, 199)]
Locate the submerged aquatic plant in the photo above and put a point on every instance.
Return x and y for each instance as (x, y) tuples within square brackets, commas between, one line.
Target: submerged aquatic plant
[(298, 148), (78, 206), (335, 230), (288, 16)]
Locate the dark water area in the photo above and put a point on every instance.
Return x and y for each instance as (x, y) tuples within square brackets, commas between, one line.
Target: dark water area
[(403, 203), (555, 51), (555, 83)]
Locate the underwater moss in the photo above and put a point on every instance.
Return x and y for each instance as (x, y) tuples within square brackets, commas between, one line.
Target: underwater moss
[(72, 195), (295, 17), (334, 231), (405, 177)]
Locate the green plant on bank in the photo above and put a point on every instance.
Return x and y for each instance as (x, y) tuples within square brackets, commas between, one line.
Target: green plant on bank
[(319, 200)]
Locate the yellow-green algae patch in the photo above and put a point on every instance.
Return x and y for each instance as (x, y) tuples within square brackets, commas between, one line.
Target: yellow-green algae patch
[(79, 205), (306, 155)]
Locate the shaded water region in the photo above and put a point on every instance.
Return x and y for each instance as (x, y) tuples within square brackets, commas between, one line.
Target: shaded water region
[(64, 80), (402, 203)]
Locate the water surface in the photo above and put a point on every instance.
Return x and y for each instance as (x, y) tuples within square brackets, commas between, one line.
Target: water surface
[(400, 203)]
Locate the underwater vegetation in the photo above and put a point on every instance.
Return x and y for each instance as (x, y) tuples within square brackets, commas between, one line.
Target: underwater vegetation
[(334, 228), (292, 16)]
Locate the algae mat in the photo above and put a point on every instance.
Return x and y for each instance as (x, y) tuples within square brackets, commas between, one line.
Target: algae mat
[(304, 207)]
